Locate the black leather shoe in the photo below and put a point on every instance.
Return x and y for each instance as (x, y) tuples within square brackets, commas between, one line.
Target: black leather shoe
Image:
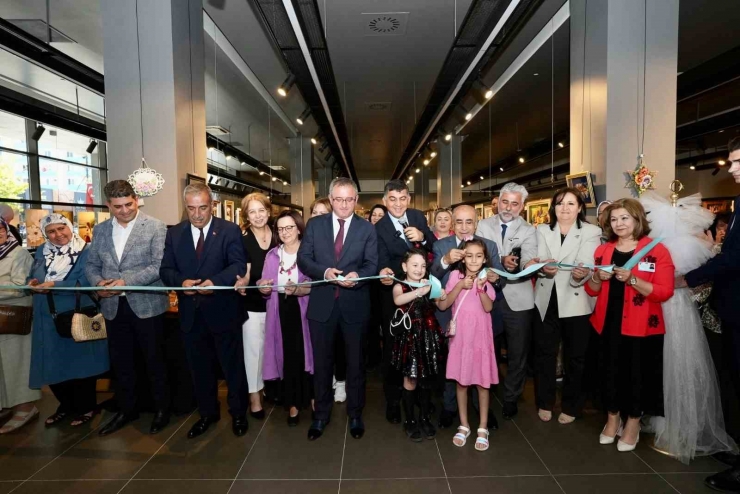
[(727, 458), (727, 481), (201, 426), (445, 419), (492, 422), (411, 427), (239, 425), (160, 421), (118, 422), (316, 429), (393, 413), (293, 421), (259, 415), (357, 428), (427, 429), (510, 410)]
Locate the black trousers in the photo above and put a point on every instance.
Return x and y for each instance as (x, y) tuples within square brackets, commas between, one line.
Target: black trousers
[(323, 337), (207, 350), (575, 333), (392, 378), (730, 373), (373, 351), (126, 333), (340, 358), (76, 396), (518, 330)]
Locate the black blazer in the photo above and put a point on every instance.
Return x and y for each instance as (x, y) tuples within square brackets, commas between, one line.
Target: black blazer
[(392, 247), (723, 271), (222, 260), (359, 254)]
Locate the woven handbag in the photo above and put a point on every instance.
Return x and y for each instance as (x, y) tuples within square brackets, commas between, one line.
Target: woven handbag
[(80, 324)]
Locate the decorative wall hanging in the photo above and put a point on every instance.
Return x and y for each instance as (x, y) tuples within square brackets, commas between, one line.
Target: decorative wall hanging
[(146, 181), (641, 179)]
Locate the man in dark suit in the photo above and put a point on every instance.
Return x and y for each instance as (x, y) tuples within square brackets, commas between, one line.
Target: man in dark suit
[(200, 252), (398, 231), (338, 247), (446, 255), (724, 271)]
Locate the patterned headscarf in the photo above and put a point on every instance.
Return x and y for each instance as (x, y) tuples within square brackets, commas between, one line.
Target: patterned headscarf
[(10, 243), (60, 259)]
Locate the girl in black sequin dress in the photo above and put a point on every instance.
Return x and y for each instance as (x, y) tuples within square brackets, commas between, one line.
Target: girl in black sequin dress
[(417, 344)]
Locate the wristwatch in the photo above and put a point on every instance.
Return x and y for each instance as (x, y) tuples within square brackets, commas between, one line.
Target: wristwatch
[(633, 280)]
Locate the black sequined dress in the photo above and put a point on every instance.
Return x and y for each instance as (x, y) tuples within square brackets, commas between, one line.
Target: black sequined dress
[(417, 350)]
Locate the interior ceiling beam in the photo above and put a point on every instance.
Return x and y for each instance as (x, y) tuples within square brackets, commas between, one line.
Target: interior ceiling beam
[(242, 157), (297, 31), (488, 27), (28, 47), (716, 72)]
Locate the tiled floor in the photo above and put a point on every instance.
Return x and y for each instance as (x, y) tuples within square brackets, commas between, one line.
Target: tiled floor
[(526, 455)]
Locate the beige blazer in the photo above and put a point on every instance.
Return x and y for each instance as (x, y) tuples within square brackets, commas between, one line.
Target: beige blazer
[(518, 293), (579, 247)]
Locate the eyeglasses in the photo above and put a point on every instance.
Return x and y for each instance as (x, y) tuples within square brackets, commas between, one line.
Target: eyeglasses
[(343, 200), (286, 229)]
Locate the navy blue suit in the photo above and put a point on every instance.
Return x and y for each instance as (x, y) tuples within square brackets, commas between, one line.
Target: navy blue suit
[(211, 324), (392, 247), (330, 312)]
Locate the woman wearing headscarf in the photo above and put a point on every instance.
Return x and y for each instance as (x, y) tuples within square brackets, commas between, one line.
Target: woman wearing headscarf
[(69, 368), (15, 350)]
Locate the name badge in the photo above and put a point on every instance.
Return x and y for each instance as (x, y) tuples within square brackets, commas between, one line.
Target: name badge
[(648, 267)]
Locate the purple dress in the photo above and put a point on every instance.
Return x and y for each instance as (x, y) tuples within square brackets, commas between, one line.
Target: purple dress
[(471, 359)]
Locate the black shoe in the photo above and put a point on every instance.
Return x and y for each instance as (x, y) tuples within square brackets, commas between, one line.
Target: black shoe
[(160, 421), (445, 419), (357, 428), (118, 422), (393, 413), (201, 426), (727, 458), (510, 410), (239, 425), (492, 422), (316, 429), (727, 481), (259, 415), (293, 421), (427, 429), (411, 427)]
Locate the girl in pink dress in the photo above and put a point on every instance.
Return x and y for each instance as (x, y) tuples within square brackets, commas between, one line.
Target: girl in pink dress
[(471, 360)]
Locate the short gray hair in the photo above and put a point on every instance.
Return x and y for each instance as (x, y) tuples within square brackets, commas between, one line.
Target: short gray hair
[(342, 182), (197, 188), (514, 188)]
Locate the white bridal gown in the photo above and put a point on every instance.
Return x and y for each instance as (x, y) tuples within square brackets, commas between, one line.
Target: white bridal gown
[(693, 425)]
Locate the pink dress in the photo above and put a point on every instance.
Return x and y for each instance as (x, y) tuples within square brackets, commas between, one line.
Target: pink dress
[(471, 359)]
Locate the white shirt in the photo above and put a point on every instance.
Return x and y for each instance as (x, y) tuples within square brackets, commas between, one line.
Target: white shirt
[(288, 261), (121, 234), (196, 232), (397, 223), (335, 223)]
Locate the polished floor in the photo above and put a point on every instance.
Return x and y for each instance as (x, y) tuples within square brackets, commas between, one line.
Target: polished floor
[(526, 456)]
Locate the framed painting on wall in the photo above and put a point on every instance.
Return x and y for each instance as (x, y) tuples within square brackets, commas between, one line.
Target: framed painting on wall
[(229, 211), (718, 206), (216, 209), (34, 237), (238, 216), (538, 212), (583, 183)]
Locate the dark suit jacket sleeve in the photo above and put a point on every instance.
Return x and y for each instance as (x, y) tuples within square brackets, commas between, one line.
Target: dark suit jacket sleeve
[(723, 264), (236, 261), (384, 256), (168, 270), (370, 262), (306, 254), (437, 270)]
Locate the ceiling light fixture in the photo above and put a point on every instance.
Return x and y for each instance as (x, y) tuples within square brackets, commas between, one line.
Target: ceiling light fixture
[(468, 182), (433, 154), (692, 167), (228, 157), (481, 177), (285, 183), (40, 129), (501, 168), (262, 173), (418, 170), (721, 162), (303, 116), (314, 141), (211, 148), (323, 146), (521, 160), (461, 114), (561, 145), (284, 88), (426, 162), (462, 186), (274, 179), (91, 147), (448, 137), (481, 92)]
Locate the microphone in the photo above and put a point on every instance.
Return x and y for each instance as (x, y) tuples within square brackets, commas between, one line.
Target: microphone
[(403, 224)]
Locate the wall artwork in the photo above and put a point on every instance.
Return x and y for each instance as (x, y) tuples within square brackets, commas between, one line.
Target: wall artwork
[(718, 206), (238, 217), (34, 237), (538, 212), (103, 216), (229, 211), (85, 225), (583, 183), (67, 214), (216, 209)]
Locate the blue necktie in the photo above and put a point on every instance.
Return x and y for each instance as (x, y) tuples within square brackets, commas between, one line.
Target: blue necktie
[(503, 232)]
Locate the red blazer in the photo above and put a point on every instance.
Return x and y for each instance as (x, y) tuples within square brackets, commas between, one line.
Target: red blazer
[(641, 316)]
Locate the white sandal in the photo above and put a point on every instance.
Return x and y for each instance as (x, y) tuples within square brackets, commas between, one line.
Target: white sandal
[(18, 420), (462, 434), (482, 441)]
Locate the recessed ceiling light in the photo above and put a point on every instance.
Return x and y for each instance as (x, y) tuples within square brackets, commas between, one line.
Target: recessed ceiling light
[(426, 162), (468, 116), (314, 141), (489, 94), (521, 160), (468, 182), (536, 73), (274, 179), (285, 183), (434, 154), (721, 131), (418, 170), (692, 167), (462, 186), (501, 168), (481, 177), (721, 162), (262, 173), (561, 145), (448, 137)]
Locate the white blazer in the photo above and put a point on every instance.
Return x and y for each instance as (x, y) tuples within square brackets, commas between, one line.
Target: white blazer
[(579, 247)]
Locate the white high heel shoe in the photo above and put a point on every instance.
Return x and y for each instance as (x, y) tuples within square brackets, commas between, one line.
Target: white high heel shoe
[(624, 447), (604, 439)]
